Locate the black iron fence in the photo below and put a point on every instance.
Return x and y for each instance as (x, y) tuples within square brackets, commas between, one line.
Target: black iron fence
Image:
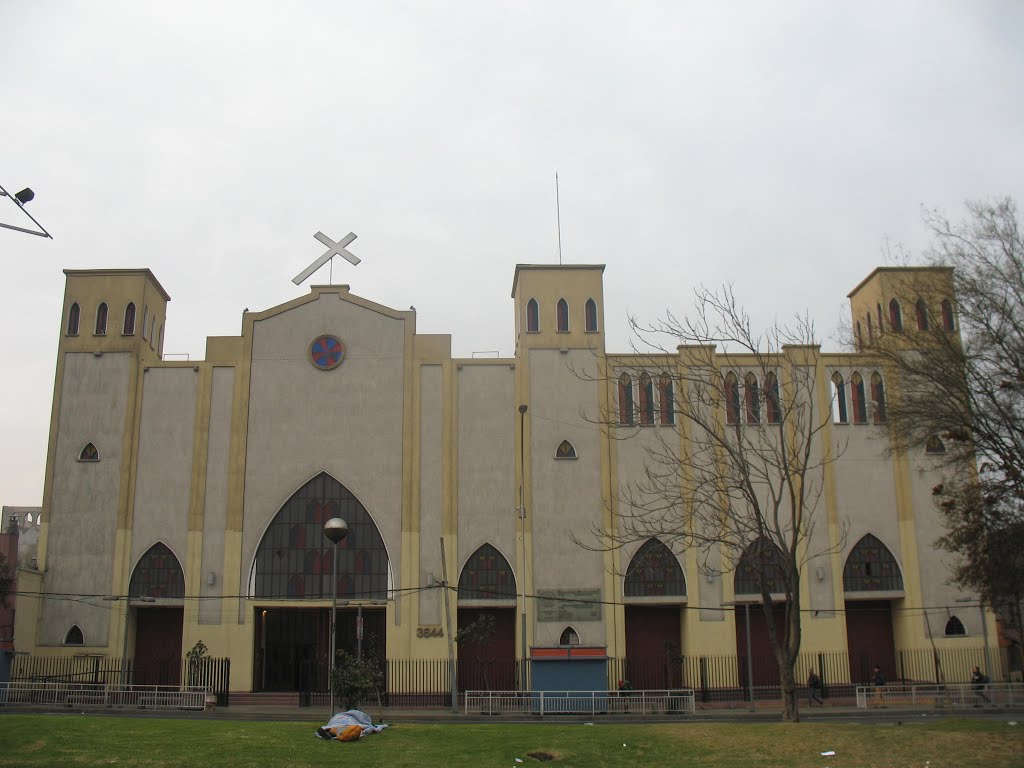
[(212, 674)]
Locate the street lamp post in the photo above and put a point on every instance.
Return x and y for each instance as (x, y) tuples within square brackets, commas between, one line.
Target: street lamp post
[(522, 511), (336, 530)]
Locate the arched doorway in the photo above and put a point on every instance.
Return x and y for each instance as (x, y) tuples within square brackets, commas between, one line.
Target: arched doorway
[(487, 607), (156, 595), (654, 589), (871, 581), (761, 560), (294, 561)]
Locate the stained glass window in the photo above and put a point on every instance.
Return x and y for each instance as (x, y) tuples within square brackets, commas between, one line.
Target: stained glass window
[(921, 309), (89, 453), (487, 576), (761, 557), (947, 315), (732, 399), (752, 399), (955, 627), (74, 636), (934, 445), (157, 574), (878, 398), (839, 415), (646, 399), (565, 450), (101, 319), (871, 567), (562, 315), (654, 572), (294, 559), (74, 315), (771, 398), (591, 316), (860, 414), (896, 316), (666, 400), (569, 637), (532, 316), (625, 399), (129, 319)]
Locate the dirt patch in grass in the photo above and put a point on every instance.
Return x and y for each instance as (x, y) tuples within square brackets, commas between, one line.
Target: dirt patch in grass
[(542, 756)]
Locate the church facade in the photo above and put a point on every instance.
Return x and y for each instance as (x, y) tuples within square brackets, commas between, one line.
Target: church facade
[(184, 501)]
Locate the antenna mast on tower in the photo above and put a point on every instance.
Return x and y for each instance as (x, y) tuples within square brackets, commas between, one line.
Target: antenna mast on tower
[(558, 215)]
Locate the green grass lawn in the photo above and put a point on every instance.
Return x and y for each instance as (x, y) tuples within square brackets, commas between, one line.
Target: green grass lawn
[(77, 740)]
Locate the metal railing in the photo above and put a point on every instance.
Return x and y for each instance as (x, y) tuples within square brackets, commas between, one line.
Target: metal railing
[(101, 696), (592, 703), (952, 696)]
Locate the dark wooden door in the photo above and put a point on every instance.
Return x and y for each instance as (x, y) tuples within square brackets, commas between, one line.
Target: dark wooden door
[(158, 646), (490, 665), (869, 639), (653, 643), (762, 655)]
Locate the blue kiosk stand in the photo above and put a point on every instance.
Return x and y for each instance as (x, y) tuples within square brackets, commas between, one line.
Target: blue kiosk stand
[(569, 679)]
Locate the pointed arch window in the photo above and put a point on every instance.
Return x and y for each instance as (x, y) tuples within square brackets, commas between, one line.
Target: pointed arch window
[(935, 445), (562, 315), (881, 324), (487, 575), (145, 319), (89, 453), (921, 312), (294, 557), (654, 571), (625, 400), (74, 317), (101, 319), (955, 627), (732, 399), (773, 408), (871, 332), (532, 316), (860, 415), (895, 316), (877, 398), (871, 568), (565, 450), (74, 636), (761, 559), (646, 400), (860, 340), (569, 636), (590, 313), (752, 399), (157, 574), (666, 400), (129, 320), (839, 415), (947, 315)]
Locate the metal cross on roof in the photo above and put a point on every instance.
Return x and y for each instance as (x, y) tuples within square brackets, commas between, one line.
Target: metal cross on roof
[(333, 249)]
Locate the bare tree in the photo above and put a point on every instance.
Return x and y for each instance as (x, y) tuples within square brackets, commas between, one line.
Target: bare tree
[(742, 471), (960, 364)]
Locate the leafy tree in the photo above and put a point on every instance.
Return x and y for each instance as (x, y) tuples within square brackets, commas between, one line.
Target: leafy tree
[(961, 395), (357, 681), (742, 468)]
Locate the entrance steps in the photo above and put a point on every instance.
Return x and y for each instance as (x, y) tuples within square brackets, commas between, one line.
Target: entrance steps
[(265, 699)]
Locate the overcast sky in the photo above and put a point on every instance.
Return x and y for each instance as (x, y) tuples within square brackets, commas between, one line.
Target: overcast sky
[(774, 145)]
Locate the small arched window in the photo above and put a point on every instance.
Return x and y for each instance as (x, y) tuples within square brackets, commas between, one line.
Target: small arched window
[(771, 398), (145, 319), (666, 400), (101, 319), (89, 453), (881, 323), (752, 399), (625, 399), (921, 311), (955, 627), (532, 316), (732, 399), (839, 414), (74, 316), (562, 315), (860, 414), (565, 450), (569, 636), (646, 400), (947, 315), (895, 316), (129, 319), (878, 398), (934, 445), (860, 340), (74, 636), (591, 316), (871, 332)]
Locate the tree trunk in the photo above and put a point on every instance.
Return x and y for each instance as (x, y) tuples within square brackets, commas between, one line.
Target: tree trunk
[(790, 697)]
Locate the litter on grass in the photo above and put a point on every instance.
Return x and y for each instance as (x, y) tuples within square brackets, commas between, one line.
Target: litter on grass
[(830, 753)]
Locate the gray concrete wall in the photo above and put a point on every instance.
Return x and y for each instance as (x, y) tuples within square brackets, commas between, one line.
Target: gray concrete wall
[(567, 496), (487, 427), (164, 472), (83, 515), (347, 421), (215, 502)]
